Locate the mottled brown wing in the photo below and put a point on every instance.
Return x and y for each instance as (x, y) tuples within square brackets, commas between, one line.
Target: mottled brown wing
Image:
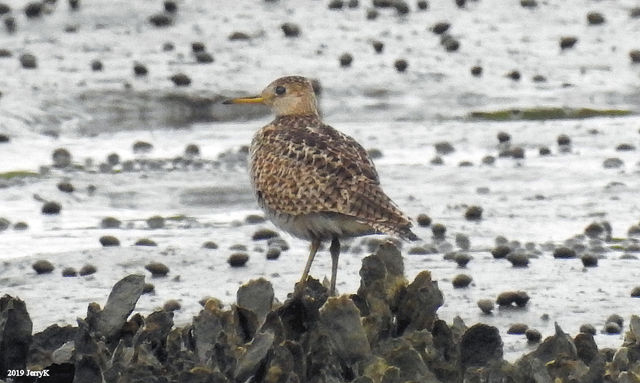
[(318, 169)]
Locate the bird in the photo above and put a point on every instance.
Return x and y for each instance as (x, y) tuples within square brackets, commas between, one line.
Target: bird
[(313, 181)]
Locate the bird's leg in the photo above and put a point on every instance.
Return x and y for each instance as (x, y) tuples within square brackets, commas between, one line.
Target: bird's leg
[(335, 254), (315, 244)]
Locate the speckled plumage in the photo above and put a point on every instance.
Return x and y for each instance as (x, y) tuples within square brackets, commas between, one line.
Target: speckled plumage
[(314, 181)]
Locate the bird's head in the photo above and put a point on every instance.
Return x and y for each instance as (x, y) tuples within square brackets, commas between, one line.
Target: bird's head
[(287, 96)]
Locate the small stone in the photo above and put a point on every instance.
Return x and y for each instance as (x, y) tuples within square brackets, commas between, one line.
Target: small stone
[(588, 329), (508, 298), (171, 305), (462, 259), (625, 148), (336, 4), (544, 151), (42, 266), (69, 272), (533, 335), (589, 260), (145, 242), (157, 269), (449, 43), (110, 223), (616, 319), (437, 160), (140, 70), (345, 60), (238, 259), (634, 231), (635, 292), (378, 46), (461, 281), (528, 3), (440, 28), (4, 138), (353, 4), (402, 8), (486, 305), (634, 55), (372, 14), (33, 9), (514, 75), (473, 213), (518, 259), (74, 4), (148, 288), (423, 220), (568, 42), (517, 329), (418, 250), (10, 24), (401, 65), (19, 226), (634, 12), (444, 148), (564, 252), (516, 152), (503, 137), (198, 46), (488, 160), (262, 234), (61, 158), (170, 6), (476, 71), (239, 36), (612, 163), (539, 78), (4, 224), (96, 65), (273, 253), (155, 222), (203, 57), (595, 18), (290, 29), (4, 8), (51, 208), (278, 242), (374, 153), (87, 269), (438, 230), (238, 247), (462, 241), (594, 230), (461, 3), (180, 79), (113, 159), (422, 5), (160, 20), (109, 241), (65, 187), (612, 328), (192, 150)]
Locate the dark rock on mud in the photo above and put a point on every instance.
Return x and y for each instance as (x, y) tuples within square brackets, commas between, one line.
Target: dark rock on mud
[(65, 187), (290, 29), (568, 42), (440, 28), (263, 234), (4, 224), (4, 138), (51, 208), (528, 3), (449, 43), (615, 318), (509, 298), (378, 46), (15, 335), (635, 292), (462, 241), (422, 5), (273, 253), (203, 57), (109, 241), (423, 220), (595, 18), (33, 9), (239, 36), (42, 266), (589, 260), (462, 259), (612, 328), (544, 151), (564, 252), (588, 329), (625, 148), (461, 281), (486, 305), (157, 269), (155, 222), (61, 158), (634, 55), (160, 20), (345, 60), (238, 259), (180, 79), (110, 223), (140, 70), (145, 242), (20, 226), (96, 65), (476, 71), (335, 4), (533, 335), (517, 329), (514, 75), (171, 305), (473, 213), (210, 245), (518, 259), (612, 163), (148, 288), (480, 345), (444, 148), (253, 219), (28, 61), (170, 6), (438, 230), (4, 8), (87, 269), (10, 24), (401, 65)]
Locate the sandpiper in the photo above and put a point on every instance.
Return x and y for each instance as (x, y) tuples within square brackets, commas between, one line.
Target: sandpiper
[(313, 181)]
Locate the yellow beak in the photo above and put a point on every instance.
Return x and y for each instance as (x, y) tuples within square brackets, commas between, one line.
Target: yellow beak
[(245, 100)]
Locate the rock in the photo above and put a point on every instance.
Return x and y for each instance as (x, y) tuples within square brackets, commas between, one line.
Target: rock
[(518, 259), (462, 259), (15, 335), (96, 65), (473, 213), (4, 138), (255, 355), (625, 148), (145, 242), (544, 151), (612, 163), (438, 230), (594, 230), (345, 60), (461, 3), (449, 43), (437, 160), (110, 223), (155, 222), (588, 329), (463, 242), (61, 158), (51, 208), (273, 253), (238, 247), (589, 260), (533, 335), (109, 241), (203, 57), (263, 234), (635, 292), (634, 12), (634, 55), (4, 8), (74, 4), (374, 153), (157, 269), (239, 36), (238, 259), (401, 65), (28, 61), (341, 318), (480, 345), (42, 266), (88, 269), (20, 226), (253, 219), (192, 151), (180, 79), (170, 6), (440, 28), (539, 78), (564, 252), (423, 220), (634, 231), (113, 159), (417, 308), (476, 71), (140, 70), (461, 281), (528, 3), (210, 245), (422, 5), (444, 148), (586, 348), (508, 298), (198, 46), (615, 318), (10, 24), (612, 328), (33, 9), (171, 305), (121, 302), (148, 288), (4, 224), (503, 137), (486, 305), (567, 42), (290, 29), (65, 187), (514, 75), (160, 20), (517, 329), (595, 18), (353, 4), (378, 46), (402, 8), (372, 14), (256, 296), (336, 4)]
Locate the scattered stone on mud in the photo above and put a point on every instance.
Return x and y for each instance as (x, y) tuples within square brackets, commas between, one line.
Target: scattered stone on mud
[(96, 65), (564, 252), (87, 269), (69, 272), (378, 46), (500, 251), (567, 42), (476, 71), (42, 266), (51, 208), (612, 163), (61, 158), (157, 269), (109, 241), (510, 298), (486, 305), (518, 259), (423, 220), (517, 329), (253, 219), (171, 305), (401, 65), (589, 260), (145, 242), (148, 288), (155, 222), (635, 292), (110, 223), (533, 335), (263, 234), (238, 259), (438, 230), (210, 245), (595, 18), (612, 328), (473, 213), (461, 281), (180, 79), (462, 259), (273, 252), (588, 329), (290, 29), (462, 241), (444, 148), (345, 60)]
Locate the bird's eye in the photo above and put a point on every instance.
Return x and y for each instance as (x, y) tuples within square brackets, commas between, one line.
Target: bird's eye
[(280, 90)]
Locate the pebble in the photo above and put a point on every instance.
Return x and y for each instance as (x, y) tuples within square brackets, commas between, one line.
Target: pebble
[(238, 247), (486, 305), (473, 213), (612, 163), (544, 151), (262, 234), (488, 160), (612, 328), (145, 242), (155, 222), (69, 272), (518, 259), (192, 150), (634, 231), (594, 230), (170, 6), (51, 208), (461, 281), (273, 252), (509, 298), (422, 5), (595, 18), (503, 137), (528, 3), (419, 250), (198, 46), (462, 259), (615, 318), (20, 226), (238, 259), (96, 65), (589, 260), (437, 160), (588, 329), (634, 12), (634, 55), (517, 329), (160, 20), (4, 8), (402, 8), (10, 24), (33, 9), (514, 75), (533, 335), (539, 78), (440, 28), (113, 159), (157, 269), (239, 36), (374, 153), (462, 241), (4, 138), (278, 242), (635, 292), (438, 230), (335, 4), (4, 224), (171, 305), (42, 266), (87, 269), (564, 252), (65, 187), (110, 223), (444, 148), (61, 158), (372, 14), (476, 71), (148, 288), (353, 4), (140, 69), (568, 42), (378, 46), (449, 43), (210, 245), (203, 57), (345, 60), (401, 65), (625, 148), (423, 220), (180, 79), (109, 241)]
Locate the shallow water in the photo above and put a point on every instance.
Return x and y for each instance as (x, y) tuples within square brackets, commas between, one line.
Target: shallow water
[(537, 199)]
